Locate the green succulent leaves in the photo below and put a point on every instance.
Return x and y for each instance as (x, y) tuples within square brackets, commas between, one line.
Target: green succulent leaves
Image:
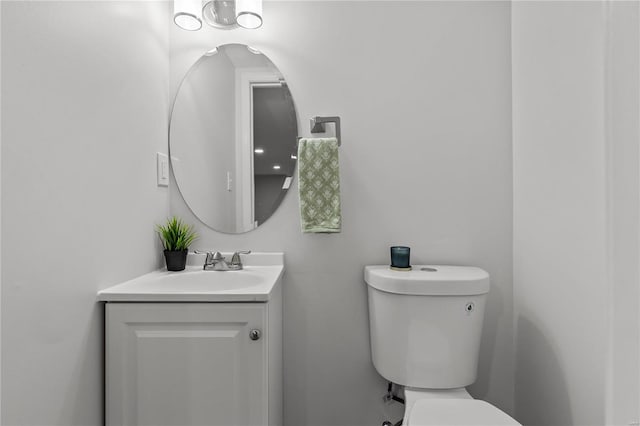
[(176, 235)]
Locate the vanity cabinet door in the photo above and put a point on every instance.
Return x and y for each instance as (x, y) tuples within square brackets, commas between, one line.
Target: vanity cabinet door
[(186, 364)]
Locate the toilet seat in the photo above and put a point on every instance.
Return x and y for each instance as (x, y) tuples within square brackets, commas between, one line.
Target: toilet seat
[(457, 412)]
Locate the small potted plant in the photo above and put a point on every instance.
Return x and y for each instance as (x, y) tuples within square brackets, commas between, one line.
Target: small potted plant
[(176, 236)]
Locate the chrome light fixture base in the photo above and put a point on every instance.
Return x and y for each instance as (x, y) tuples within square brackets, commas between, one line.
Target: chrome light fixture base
[(220, 14)]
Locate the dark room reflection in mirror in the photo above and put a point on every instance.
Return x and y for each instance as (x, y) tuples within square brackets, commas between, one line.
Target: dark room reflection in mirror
[(273, 162)]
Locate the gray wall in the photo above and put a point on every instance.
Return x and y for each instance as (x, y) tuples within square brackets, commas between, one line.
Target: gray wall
[(84, 110), (576, 187), (424, 93), (623, 116)]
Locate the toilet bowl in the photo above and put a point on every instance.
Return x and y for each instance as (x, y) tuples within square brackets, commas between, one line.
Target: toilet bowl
[(425, 327), (452, 407)]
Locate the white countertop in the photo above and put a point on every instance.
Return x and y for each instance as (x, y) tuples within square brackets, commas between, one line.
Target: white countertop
[(255, 283)]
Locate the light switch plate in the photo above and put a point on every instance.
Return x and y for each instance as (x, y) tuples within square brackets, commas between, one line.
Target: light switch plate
[(287, 182), (162, 169)]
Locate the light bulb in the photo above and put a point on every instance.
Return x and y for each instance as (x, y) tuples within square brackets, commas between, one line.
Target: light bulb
[(187, 14), (249, 13)]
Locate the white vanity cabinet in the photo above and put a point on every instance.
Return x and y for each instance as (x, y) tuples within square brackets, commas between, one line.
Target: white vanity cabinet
[(217, 362)]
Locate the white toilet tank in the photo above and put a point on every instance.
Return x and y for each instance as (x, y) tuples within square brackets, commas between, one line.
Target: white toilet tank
[(426, 323)]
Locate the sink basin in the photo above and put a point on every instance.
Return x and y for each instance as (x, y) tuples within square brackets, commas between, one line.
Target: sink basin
[(199, 280), (254, 283)]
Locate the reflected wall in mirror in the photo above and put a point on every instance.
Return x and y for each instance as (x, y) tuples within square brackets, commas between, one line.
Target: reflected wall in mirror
[(233, 138)]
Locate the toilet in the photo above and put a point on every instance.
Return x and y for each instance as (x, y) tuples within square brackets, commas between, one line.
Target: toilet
[(425, 326)]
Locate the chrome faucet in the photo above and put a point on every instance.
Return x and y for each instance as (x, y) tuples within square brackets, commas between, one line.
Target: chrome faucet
[(215, 261)]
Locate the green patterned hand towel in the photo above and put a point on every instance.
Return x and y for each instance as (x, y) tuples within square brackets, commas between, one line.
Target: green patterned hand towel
[(319, 185)]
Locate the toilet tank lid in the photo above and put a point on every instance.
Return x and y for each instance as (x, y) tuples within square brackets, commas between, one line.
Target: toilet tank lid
[(450, 412), (429, 280)]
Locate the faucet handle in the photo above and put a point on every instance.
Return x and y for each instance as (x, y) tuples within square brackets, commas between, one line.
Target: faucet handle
[(235, 259)]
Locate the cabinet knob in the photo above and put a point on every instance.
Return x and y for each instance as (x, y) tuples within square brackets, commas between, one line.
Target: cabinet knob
[(255, 334)]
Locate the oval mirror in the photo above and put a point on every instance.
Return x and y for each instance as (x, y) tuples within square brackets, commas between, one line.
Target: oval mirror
[(232, 138)]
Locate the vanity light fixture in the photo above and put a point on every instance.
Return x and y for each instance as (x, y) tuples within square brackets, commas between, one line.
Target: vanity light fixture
[(259, 150), (222, 14), (249, 13), (187, 14)]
